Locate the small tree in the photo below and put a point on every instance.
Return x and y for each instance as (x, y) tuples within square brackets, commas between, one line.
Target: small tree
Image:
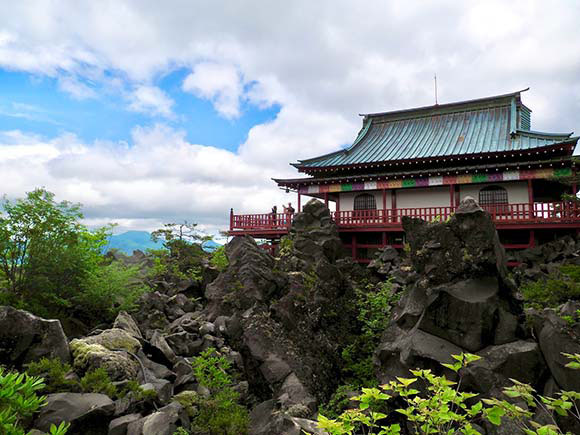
[(182, 254), (53, 265)]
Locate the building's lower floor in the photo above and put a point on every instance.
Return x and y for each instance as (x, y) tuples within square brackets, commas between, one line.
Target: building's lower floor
[(363, 232)]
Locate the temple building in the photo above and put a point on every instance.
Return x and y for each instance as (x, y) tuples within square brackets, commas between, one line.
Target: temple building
[(422, 162)]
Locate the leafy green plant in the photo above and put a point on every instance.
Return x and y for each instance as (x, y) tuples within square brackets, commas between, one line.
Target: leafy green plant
[(220, 413), (374, 304), (52, 265), (557, 289), (54, 373), (219, 259), (98, 381), (111, 288), (182, 255), (19, 400), (441, 408), (286, 246)]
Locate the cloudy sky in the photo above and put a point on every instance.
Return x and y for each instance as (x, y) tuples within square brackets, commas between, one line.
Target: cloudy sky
[(149, 112)]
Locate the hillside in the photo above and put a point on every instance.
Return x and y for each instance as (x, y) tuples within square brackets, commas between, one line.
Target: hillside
[(131, 241)]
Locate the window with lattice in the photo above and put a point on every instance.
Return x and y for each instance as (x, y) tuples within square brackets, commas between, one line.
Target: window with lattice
[(365, 201), (494, 199)]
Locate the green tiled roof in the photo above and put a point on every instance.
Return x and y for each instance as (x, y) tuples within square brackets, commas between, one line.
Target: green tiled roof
[(488, 125)]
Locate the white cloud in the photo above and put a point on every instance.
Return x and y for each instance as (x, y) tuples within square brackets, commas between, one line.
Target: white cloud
[(322, 62), (151, 100), (158, 177), (222, 84), (74, 87)]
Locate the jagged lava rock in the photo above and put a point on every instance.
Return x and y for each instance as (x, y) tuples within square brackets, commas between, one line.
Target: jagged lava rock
[(248, 279), (88, 413), (461, 300), (25, 337)]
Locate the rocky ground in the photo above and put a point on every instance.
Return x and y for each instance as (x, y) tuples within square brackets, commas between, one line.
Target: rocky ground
[(282, 322)]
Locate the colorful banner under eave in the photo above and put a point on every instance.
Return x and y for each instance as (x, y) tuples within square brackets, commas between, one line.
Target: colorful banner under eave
[(440, 180)]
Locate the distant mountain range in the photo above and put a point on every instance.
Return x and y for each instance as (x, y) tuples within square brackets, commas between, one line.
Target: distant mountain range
[(141, 240)]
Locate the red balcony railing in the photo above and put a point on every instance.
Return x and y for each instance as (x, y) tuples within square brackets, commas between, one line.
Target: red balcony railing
[(539, 212)]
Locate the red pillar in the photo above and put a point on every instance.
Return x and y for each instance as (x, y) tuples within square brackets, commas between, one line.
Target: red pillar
[(530, 201), (384, 205), (451, 195), (530, 192), (231, 219), (299, 201), (457, 199), (337, 214), (532, 238), (353, 247), (394, 204), (326, 199)]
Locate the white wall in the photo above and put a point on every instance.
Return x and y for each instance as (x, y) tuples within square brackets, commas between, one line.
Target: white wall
[(423, 197), (517, 190), (435, 196)]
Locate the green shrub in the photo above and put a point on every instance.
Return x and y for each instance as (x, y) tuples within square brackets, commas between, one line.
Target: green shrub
[(98, 381), (19, 400), (441, 408), (220, 413), (111, 288), (219, 259), (286, 246), (53, 371), (374, 304), (557, 289), (52, 265), (182, 255)]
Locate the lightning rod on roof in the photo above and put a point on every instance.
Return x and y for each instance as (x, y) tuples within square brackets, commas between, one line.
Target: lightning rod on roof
[(435, 77)]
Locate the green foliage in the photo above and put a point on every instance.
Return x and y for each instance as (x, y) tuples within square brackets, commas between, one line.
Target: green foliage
[(286, 246), (54, 374), (111, 288), (19, 400), (182, 255), (181, 431), (338, 402), (219, 259), (98, 381), (557, 289), (220, 413), (374, 304), (443, 409), (52, 265)]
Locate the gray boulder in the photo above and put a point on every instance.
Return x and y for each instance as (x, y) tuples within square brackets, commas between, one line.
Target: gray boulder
[(25, 337), (88, 413), (470, 314), (555, 337), (402, 350), (125, 322), (163, 422), (248, 279), (521, 360), (119, 425)]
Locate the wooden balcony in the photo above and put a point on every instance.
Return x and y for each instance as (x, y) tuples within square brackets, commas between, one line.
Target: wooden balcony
[(562, 214)]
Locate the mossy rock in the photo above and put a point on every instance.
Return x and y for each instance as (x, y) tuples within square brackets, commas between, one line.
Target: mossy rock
[(89, 356), (115, 339), (189, 400)]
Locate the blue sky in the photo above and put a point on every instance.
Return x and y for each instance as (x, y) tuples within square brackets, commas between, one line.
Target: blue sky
[(34, 103), (149, 112)]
